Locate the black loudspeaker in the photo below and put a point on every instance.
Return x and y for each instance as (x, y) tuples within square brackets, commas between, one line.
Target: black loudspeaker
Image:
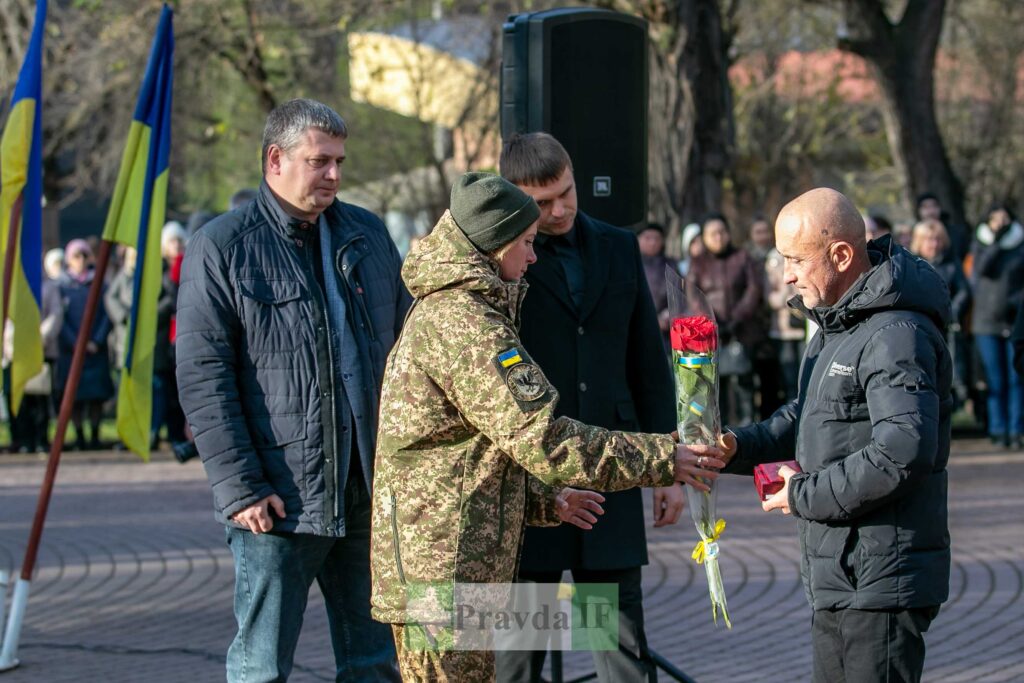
[(581, 75)]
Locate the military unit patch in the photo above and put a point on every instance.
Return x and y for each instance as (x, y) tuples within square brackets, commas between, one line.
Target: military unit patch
[(523, 379), (525, 382)]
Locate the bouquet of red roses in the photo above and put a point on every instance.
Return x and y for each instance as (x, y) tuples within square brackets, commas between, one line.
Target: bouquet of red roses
[(694, 337), (694, 342)]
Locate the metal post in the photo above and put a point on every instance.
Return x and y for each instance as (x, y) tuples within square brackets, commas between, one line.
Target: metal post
[(5, 581), (9, 652)]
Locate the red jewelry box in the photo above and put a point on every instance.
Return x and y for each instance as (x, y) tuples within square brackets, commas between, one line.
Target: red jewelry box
[(767, 479)]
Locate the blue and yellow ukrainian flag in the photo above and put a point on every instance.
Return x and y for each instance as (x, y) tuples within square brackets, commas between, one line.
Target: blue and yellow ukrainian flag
[(21, 211), (510, 358), (137, 212)]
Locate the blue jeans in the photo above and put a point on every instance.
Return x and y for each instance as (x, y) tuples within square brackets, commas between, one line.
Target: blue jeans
[(1005, 400), (273, 574)]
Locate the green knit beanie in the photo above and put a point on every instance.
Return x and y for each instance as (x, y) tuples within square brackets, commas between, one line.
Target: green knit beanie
[(490, 210)]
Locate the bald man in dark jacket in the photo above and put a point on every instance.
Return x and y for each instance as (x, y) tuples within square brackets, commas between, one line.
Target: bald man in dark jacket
[(870, 429)]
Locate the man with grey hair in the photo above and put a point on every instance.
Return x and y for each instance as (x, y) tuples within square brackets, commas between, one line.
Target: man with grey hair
[(287, 310)]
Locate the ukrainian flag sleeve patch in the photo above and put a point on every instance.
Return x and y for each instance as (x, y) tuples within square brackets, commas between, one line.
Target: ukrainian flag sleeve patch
[(510, 358)]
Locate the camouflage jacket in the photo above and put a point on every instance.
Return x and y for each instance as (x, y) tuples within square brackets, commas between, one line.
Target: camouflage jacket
[(469, 448)]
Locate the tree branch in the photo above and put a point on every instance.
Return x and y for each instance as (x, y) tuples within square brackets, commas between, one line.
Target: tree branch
[(870, 31)]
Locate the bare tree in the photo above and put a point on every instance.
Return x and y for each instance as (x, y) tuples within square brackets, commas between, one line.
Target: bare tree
[(981, 106), (902, 55), (691, 131), (15, 25)]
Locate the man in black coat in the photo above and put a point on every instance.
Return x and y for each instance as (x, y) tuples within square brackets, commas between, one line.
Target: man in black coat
[(870, 429), (589, 322)]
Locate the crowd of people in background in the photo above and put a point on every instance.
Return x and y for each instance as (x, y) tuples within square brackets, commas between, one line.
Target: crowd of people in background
[(68, 277), (762, 338)]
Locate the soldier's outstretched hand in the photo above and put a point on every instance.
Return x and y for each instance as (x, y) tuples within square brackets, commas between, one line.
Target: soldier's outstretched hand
[(697, 464), (579, 507)]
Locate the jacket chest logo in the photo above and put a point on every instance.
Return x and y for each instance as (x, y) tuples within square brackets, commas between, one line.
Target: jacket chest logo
[(840, 370)]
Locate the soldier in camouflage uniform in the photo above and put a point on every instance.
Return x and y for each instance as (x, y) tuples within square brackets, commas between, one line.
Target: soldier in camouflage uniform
[(469, 449)]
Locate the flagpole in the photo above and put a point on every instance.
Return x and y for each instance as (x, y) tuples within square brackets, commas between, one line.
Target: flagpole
[(9, 651), (12, 244)]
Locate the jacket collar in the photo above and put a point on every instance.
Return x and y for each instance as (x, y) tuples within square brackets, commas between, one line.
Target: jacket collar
[(279, 219), (334, 218), (896, 280), (446, 259), (1013, 238), (547, 272)]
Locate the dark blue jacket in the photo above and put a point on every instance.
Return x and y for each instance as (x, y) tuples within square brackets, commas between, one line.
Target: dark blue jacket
[(95, 383), (254, 357), (870, 428)]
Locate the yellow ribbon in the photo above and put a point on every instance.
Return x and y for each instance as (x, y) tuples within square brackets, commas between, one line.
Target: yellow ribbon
[(700, 550)]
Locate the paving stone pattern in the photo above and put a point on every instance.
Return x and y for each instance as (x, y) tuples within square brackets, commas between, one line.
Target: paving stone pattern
[(135, 582)]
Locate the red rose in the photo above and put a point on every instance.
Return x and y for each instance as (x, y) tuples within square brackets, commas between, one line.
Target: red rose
[(694, 334)]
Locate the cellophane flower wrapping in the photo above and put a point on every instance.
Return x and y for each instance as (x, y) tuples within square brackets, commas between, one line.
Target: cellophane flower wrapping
[(694, 337)]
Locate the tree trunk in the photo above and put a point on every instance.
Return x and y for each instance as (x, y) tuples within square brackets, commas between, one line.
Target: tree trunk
[(902, 56), (690, 125), (706, 77)]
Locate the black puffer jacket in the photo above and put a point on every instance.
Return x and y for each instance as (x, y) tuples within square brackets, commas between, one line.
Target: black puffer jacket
[(253, 371), (870, 429)]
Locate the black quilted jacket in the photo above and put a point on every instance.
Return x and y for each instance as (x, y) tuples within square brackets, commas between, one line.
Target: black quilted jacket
[(870, 428)]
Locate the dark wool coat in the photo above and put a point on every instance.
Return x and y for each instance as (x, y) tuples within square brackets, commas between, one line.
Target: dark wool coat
[(609, 367), (95, 383)]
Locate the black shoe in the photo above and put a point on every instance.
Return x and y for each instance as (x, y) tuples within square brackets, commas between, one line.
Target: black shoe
[(95, 445), (24, 450), (996, 439), (184, 451), (1016, 443)]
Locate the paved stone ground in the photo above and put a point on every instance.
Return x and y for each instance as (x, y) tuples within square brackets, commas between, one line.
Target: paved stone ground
[(134, 580)]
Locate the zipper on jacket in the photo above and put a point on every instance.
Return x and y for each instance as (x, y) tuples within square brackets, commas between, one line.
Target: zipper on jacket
[(394, 538), (361, 300), (331, 518)]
